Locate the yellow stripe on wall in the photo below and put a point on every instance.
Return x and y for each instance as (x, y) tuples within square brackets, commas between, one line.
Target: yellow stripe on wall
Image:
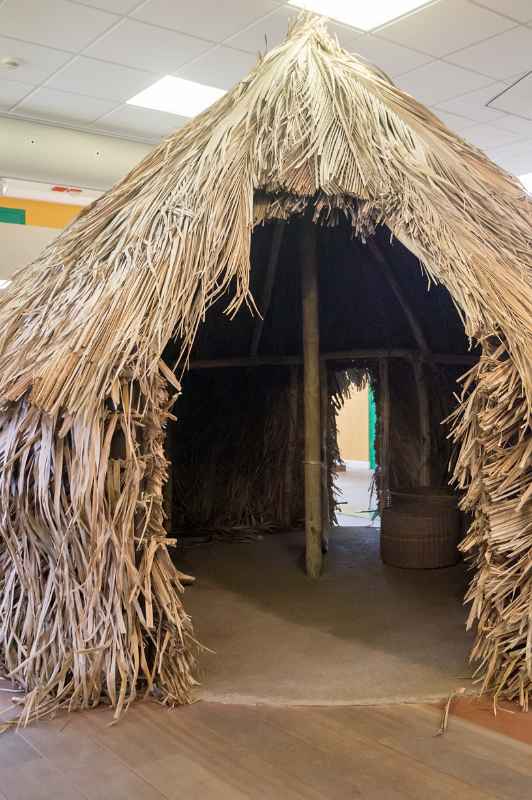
[(41, 213)]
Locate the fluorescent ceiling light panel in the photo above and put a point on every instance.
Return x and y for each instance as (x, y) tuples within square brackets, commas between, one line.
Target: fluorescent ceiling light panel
[(177, 96), (526, 180), (362, 14), (50, 193), (4, 284)]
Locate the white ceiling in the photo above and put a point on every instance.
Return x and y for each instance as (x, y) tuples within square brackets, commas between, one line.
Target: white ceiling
[(82, 59)]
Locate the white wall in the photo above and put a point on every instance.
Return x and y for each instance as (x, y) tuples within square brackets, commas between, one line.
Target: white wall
[(35, 152), (353, 427), (21, 244)]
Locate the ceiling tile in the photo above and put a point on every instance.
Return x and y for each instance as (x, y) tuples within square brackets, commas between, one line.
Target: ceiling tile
[(473, 104), (485, 136), (266, 33), (147, 47), (208, 19), (222, 67), (501, 57), (437, 82), (445, 27), (516, 158), (101, 79), (347, 37), (56, 23), (116, 6), (518, 10), (392, 58), (273, 29), (515, 124), (11, 92), (55, 105), (454, 122), (36, 63), (516, 99), (140, 122)]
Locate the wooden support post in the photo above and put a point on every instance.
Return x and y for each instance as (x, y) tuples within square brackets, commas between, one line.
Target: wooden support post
[(389, 274), (384, 429), (291, 449), (269, 280), (420, 375), (311, 393), (340, 355), (325, 510)]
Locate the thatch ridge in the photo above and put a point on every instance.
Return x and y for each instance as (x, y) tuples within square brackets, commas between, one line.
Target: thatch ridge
[(82, 331)]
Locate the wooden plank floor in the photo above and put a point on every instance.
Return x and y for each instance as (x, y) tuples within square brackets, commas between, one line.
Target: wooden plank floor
[(209, 751)]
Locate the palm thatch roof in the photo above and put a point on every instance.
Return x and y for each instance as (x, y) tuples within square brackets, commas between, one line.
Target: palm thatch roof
[(90, 605)]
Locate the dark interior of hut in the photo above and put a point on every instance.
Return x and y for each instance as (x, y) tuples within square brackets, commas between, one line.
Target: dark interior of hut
[(235, 447)]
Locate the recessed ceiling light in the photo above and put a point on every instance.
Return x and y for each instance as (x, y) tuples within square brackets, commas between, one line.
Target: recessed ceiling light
[(4, 284), (177, 96), (362, 15), (526, 180)]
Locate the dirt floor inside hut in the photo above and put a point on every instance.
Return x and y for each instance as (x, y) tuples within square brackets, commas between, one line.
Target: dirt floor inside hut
[(365, 633)]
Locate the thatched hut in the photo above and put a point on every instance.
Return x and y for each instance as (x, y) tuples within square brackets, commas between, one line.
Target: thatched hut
[(315, 171)]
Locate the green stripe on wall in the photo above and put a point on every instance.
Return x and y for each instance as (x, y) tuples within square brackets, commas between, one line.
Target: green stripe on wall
[(372, 428), (15, 216)]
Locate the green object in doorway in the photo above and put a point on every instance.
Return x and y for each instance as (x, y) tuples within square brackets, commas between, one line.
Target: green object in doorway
[(15, 216), (372, 415)]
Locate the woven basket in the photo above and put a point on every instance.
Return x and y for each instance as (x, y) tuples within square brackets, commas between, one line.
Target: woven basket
[(421, 531), (421, 497)]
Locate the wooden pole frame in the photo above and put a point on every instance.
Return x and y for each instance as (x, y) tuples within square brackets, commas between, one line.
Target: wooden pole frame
[(425, 433), (277, 239), (340, 355), (415, 327), (325, 509), (311, 397), (418, 365), (384, 431), (291, 457)]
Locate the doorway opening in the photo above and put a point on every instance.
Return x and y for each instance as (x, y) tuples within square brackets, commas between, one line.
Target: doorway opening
[(237, 452), (357, 501)]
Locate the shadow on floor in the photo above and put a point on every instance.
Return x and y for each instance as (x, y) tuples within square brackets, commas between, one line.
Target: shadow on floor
[(365, 632)]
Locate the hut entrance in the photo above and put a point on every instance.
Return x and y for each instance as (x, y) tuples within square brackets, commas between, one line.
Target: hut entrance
[(241, 467), (254, 447)]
